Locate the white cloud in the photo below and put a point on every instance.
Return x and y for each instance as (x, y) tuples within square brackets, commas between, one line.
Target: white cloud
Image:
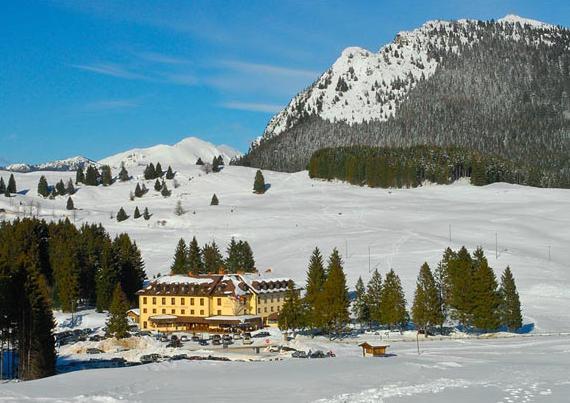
[(112, 105), (110, 69), (252, 106)]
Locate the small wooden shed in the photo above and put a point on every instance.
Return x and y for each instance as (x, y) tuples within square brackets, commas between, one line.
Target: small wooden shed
[(374, 351)]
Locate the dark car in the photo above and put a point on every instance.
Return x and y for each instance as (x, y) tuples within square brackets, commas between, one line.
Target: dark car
[(96, 337), (261, 334), (299, 354), (216, 342), (203, 342), (148, 358), (195, 337), (317, 354), (174, 343), (178, 357)]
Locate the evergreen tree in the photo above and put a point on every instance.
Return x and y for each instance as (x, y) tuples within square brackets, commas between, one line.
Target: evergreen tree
[(60, 188), (246, 260), (180, 264), (117, 324), (259, 183), (460, 289), (11, 188), (79, 176), (43, 189), (169, 173), (122, 215), (70, 205), (214, 201), (91, 176), (316, 277), (7, 192), (179, 210), (106, 175), (165, 192), (199, 161), (426, 309), (70, 189), (158, 170), (360, 305), (124, 174), (107, 277), (157, 185), (2, 186), (150, 172), (333, 303), (65, 260), (146, 214), (487, 299), (232, 262), (292, 314), (393, 302), (137, 213), (374, 297), (215, 166), (130, 266), (138, 191), (510, 309), (212, 258), (195, 263)]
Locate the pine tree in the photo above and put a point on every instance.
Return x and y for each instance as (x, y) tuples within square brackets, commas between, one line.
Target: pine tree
[(195, 263), (138, 191), (232, 262), (393, 302), (106, 175), (374, 297), (70, 189), (333, 303), (107, 277), (150, 172), (122, 215), (199, 161), (360, 305), (158, 170), (247, 262), (11, 188), (169, 173), (60, 188), (215, 166), (487, 301), (165, 192), (70, 205), (315, 280), (117, 324), (124, 174), (137, 213), (79, 176), (91, 176), (426, 309), (130, 266), (7, 192), (214, 201), (180, 264), (292, 314), (212, 258), (460, 290), (43, 188), (146, 214), (2, 186), (259, 183), (510, 309), (179, 210), (157, 185)]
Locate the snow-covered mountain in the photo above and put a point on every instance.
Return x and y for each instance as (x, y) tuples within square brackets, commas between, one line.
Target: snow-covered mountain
[(184, 152), (69, 164)]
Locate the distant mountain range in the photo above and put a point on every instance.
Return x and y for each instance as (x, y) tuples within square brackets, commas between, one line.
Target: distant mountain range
[(498, 87), (186, 151)]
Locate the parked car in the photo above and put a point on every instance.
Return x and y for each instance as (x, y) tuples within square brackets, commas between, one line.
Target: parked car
[(94, 351), (247, 340), (178, 357), (203, 342), (163, 338), (216, 342), (317, 354), (148, 358), (261, 334), (96, 337), (195, 337), (216, 337), (174, 343), (183, 338), (227, 337), (299, 354), (237, 336), (145, 333)]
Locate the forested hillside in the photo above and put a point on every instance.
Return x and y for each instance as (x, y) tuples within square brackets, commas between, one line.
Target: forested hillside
[(498, 88)]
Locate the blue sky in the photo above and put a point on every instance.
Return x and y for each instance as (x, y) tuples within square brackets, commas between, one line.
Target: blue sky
[(98, 77)]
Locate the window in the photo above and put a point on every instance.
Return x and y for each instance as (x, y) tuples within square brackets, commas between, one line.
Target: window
[(182, 301), (258, 310), (278, 299), (258, 300), (172, 301), (182, 311), (191, 301), (144, 310), (163, 301), (144, 325), (154, 311), (219, 312), (154, 300), (219, 301), (144, 300), (191, 312), (201, 312), (173, 311), (271, 309), (278, 308), (265, 309), (164, 311), (201, 301)]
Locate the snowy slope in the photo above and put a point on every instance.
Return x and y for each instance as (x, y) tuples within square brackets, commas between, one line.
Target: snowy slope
[(184, 152), (362, 86), (69, 164)]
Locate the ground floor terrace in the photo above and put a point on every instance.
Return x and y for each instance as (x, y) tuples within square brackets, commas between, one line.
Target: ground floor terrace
[(173, 323)]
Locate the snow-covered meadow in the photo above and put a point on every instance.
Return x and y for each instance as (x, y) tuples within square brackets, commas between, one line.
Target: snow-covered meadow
[(372, 228)]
